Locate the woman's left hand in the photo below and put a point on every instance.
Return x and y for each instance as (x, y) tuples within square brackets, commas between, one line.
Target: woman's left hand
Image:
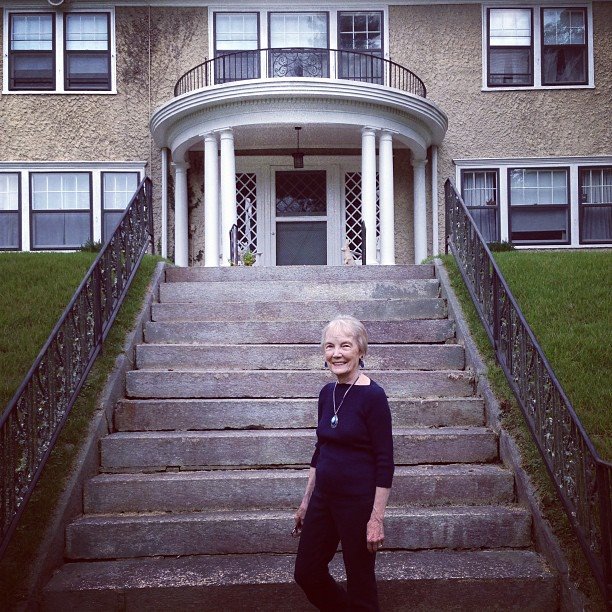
[(375, 534)]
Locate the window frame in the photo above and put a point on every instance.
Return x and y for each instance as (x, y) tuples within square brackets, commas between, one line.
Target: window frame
[(67, 53), (584, 45), (581, 208), (59, 59), (537, 45), (497, 206), (32, 212), (10, 54), (532, 207), (530, 47), (103, 210), (18, 211)]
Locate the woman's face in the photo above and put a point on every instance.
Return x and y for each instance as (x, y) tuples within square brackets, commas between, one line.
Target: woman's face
[(342, 354)]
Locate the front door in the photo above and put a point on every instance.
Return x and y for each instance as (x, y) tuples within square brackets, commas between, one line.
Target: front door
[(300, 211)]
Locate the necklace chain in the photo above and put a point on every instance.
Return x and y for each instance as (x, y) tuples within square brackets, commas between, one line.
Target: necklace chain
[(334, 419)]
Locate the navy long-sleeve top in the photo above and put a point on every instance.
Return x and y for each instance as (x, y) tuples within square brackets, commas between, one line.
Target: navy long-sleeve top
[(356, 456)]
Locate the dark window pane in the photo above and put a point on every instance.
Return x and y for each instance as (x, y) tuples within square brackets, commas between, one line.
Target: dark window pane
[(301, 193), (486, 221), (596, 223), (539, 224), (60, 230), (9, 230), (561, 65), (111, 220), (32, 71), (510, 66), (301, 243), (87, 71)]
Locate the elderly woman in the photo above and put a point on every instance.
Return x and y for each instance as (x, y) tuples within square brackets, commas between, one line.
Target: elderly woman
[(349, 480)]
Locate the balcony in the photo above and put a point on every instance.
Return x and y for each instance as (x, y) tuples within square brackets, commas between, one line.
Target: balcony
[(301, 63)]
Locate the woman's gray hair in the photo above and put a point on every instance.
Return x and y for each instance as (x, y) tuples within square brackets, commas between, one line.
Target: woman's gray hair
[(351, 326)]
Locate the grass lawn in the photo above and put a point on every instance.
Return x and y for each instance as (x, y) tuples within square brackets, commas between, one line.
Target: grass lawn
[(39, 287), (546, 285), (567, 300)]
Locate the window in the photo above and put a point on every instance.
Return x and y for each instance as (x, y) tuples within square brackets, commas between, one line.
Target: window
[(10, 227), (87, 51), (61, 51), (564, 47), (61, 209), (595, 191), (539, 205), (510, 47), (31, 51), (538, 46), (480, 193), (362, 33), (117, 191), (294, 33), (236, 44)]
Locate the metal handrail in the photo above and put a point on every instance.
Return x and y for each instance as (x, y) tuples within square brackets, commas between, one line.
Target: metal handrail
[(300, 62), (234, 250), (582, 479), (363, 242), (33, 419)]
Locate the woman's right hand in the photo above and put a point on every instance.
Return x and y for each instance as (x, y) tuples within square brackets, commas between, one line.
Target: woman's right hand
[(299, 518)]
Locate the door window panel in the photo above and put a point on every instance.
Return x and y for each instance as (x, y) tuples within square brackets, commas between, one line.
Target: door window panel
[(300, 194)]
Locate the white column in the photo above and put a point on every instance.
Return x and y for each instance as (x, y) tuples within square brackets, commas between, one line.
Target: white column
[(164, 202), (211, 201), (420, 211), (368, 191), (435, 215), (387, 204), (181, 230), (228, 193)]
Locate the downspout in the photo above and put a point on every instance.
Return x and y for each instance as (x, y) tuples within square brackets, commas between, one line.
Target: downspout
[(434, 201)]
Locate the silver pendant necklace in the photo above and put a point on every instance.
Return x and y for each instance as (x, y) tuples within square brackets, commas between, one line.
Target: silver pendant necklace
[(334, 419)]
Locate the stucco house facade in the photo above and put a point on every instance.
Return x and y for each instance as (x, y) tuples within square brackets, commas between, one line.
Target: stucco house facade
[(298, 123)]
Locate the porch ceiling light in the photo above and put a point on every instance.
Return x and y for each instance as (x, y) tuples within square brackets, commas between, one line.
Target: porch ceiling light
[(298, 156)]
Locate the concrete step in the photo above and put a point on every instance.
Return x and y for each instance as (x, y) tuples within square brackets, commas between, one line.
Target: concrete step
[(304, 273), (205, 414), (297, 290), (285, 383), (292, 332), (293, 357), (155, 451), (379, 310), (269, 531), (424, 485), (441, 580)]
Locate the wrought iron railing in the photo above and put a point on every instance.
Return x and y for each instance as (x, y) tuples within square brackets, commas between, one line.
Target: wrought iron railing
[(234, 247), (33, 419), (300, 62), (582, 479)]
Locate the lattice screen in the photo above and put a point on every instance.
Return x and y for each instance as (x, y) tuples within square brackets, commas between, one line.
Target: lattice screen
[(352, 215), (246, 204)]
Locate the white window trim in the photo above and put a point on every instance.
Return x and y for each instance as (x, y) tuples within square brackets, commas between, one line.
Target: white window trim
[(537, 45), (59, 53), (94, 168), (288, 8), (502, 165)]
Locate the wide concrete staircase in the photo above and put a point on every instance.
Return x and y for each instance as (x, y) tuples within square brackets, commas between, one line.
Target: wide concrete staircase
[(193, 506)]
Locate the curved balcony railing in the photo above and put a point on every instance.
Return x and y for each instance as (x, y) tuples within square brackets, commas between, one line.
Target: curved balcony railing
[(300, 62)]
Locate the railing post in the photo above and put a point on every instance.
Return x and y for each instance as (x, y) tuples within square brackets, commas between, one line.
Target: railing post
[(97, 304), (363, 243)]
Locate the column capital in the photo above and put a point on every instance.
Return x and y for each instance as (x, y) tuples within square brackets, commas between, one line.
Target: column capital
[(417, 163), (226, 133), (368, 130), (210, 136), (386, 135), (180, 166)]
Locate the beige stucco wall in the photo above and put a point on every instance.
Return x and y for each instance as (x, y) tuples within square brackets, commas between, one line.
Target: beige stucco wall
[(443, 45), (154, 47)]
